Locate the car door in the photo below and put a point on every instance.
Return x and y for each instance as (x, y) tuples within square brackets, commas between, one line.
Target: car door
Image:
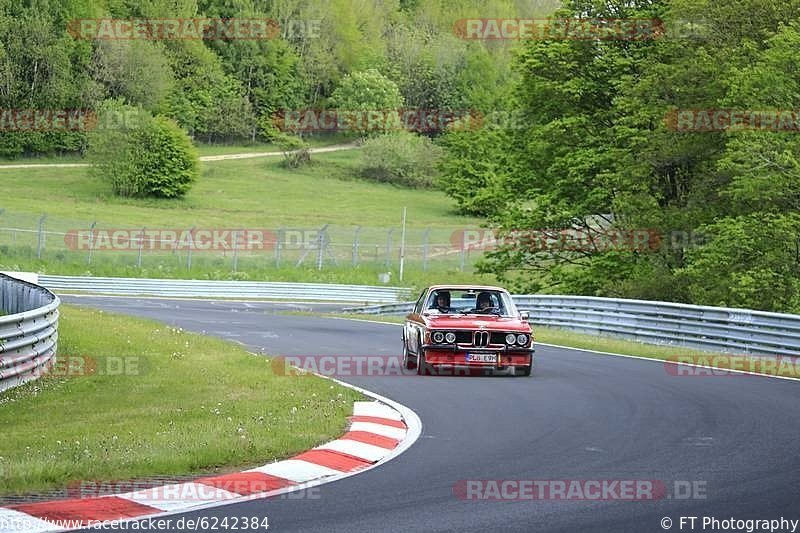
[(414, 324)]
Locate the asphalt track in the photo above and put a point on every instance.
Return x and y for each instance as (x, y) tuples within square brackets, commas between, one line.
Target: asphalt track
[(582, 416)]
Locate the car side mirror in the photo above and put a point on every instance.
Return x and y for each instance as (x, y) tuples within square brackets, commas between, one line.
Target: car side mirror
[(524, 315)]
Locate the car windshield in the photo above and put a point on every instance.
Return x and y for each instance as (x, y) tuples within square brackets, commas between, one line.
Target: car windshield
[(470, 301)]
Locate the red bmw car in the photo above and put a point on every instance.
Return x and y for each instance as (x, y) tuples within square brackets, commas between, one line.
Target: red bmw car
[(467, 326)]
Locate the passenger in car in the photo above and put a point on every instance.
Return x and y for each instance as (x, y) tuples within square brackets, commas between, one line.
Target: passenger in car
[(442, 302)]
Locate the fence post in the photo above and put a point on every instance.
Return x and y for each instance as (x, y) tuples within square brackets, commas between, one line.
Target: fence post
[(463, 249), (40, 244), (322, 239), (191, 247), (425, 237), (355, 245), (403, 245), (278, 245), (389, 247), (91, 242), (141, 243), (235, 250)]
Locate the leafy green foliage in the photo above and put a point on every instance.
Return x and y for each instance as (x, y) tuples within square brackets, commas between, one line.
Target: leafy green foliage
[(366, 91), (296, 152), (593, 153), (141, 155), (401, 158), (137, 71), (751, 261)]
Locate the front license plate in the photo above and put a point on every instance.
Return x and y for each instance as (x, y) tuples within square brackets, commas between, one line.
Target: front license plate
[(481, 357)]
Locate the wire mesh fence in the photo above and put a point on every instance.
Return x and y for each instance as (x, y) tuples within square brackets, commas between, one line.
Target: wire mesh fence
[(233, 248)]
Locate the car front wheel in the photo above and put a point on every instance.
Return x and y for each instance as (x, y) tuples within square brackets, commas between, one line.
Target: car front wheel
[(422, 365), (524, 370), (408, 362)]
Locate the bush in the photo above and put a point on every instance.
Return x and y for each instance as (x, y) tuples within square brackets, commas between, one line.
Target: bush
[(296, 152), (401, 158), (141, 155)]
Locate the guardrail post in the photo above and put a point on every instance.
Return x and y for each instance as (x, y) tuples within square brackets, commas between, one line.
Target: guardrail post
[(40, 244), (91, 242)]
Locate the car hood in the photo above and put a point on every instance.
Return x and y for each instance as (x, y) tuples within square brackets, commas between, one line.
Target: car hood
[(487, 322)]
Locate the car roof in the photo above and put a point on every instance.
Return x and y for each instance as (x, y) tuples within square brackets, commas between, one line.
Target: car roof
[(467, 287)]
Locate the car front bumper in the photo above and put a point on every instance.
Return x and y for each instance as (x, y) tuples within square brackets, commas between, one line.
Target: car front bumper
[(454, 355)]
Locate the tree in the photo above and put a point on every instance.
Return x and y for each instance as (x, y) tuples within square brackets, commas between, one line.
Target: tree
[(136, 71), (364, 92), (751, 261)]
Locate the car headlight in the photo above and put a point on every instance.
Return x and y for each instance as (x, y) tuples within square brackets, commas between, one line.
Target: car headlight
[(450, 337), (511, 338), (522, 340), (437, 337)]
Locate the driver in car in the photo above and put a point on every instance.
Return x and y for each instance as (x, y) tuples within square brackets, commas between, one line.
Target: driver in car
[(483, 303)]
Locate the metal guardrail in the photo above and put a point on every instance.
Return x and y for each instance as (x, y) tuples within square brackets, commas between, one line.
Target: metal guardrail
[(28, 333), (225, 289), (717, 329)]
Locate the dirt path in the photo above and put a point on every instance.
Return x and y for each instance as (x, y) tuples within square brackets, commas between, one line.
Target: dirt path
[(246, 155)]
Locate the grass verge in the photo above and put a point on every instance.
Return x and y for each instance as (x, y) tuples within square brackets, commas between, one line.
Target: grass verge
[(159, 402)]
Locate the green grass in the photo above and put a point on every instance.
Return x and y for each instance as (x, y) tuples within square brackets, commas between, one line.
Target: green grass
[(189, 404), (254, 193), (602, 343), (249, 193)]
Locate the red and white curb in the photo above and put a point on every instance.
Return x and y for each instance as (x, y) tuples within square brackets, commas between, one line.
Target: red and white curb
[(378, 432)]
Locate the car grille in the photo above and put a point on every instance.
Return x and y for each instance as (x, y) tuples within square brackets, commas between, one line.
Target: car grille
[(481, 337), (464, 337)]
